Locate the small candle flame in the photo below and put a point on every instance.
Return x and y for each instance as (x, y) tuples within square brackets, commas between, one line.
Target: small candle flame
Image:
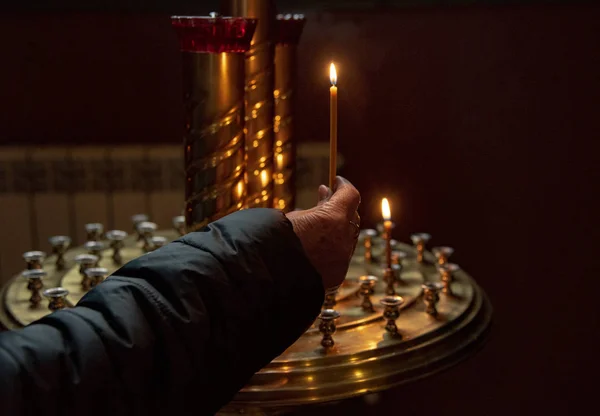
[(385, 210), (332, 74)]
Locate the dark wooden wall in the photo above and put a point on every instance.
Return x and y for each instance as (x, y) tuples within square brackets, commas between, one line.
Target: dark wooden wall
[(479, 123)]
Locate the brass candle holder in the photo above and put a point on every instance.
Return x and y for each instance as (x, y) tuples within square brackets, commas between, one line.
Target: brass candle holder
[(420, 240), (95, 248), (327, 327), (34, 259), (60, 244), (116, 241), (86, 261), (367, 289), (34, 285), (179, 224), (391, 313), (94, 231), (447, 276), (136, 220), (442, 254), (96, 275), (431, 296), (157, 242), (368, 236), (57, 298), (146, 230)]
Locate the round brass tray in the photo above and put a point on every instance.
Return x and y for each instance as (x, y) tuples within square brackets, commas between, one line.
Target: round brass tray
[(365, 358)]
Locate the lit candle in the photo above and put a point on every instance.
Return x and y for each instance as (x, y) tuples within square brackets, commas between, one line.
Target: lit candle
[(387, 226), (332, 125)]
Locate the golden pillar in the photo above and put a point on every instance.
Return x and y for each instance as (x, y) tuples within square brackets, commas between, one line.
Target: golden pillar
[(259, 99), (287, 35), (212, 51)]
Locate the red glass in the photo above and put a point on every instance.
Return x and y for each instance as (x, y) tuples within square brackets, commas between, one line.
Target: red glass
[(288, 28), (213, 34)]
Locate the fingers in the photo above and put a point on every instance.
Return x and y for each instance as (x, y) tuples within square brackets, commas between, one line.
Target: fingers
[(324, 194), (346, 196)]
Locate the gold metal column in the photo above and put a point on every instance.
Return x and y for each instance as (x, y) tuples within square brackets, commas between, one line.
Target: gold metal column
[(288, 30), (212, 50), (259, 99)]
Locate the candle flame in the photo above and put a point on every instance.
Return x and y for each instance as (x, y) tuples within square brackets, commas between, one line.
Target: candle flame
[(385, 210), (332, 74)]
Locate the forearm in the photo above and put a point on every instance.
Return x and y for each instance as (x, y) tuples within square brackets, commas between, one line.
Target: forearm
[(197, 317)]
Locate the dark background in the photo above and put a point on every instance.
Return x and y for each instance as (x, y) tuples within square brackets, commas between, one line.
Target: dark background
[(478, 121)]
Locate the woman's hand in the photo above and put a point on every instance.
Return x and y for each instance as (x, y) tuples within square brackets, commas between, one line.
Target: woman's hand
[(329, 231)]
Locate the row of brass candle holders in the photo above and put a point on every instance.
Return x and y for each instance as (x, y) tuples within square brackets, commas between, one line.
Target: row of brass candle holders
[(392, 276), (88, 262), (376, 331)]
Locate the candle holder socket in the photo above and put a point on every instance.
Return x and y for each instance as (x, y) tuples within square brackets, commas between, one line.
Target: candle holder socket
[(367, 289), (60, 244), (327, 327), (34, 284), (420, 241), (57, 297), (34, 259), (391, 313)]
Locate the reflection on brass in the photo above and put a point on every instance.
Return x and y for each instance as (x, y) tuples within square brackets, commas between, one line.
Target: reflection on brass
[(214, 152), (442, 254), (259, 101), (431, 296), (327, 327), (288, 31)]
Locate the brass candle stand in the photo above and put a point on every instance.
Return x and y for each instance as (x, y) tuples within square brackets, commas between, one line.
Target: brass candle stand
[(363, 341), (287, 35), (401, 314), (216, 163), (259, 99)]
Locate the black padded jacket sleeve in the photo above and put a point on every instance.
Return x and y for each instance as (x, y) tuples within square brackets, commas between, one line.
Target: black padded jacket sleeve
[(175, 332)]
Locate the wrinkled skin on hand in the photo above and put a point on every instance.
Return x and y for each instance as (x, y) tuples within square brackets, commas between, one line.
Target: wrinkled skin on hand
[(328, 237)]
